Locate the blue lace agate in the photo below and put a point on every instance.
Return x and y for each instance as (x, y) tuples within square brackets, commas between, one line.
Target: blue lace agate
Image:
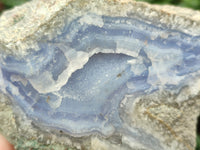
[(77, 81)]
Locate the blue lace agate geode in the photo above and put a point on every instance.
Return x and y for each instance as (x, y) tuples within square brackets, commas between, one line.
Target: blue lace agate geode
[(76, 81)]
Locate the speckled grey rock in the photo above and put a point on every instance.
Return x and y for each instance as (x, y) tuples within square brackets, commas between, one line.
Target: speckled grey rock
[(99, 75)]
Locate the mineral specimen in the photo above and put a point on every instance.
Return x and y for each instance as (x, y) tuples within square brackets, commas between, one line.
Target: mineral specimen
[(102, 72)]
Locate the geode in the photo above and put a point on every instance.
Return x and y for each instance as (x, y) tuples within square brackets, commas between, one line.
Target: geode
[(102, 74)]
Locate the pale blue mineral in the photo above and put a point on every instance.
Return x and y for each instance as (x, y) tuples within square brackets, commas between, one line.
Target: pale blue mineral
[(76, 81)]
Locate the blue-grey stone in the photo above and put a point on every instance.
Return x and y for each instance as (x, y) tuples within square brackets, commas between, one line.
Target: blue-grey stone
[(77, 80)]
